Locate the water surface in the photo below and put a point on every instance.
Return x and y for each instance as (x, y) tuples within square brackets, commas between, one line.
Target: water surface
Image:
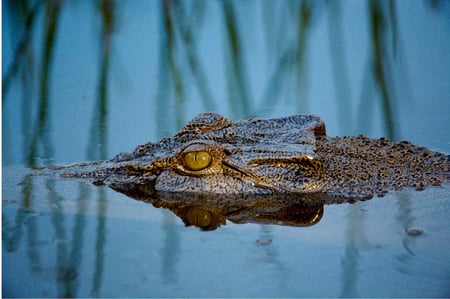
[(86, 80)]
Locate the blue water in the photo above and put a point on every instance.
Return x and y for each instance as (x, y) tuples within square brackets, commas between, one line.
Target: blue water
[(70, 238)]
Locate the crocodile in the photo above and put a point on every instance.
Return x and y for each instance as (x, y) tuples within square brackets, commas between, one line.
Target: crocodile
[(287, 155)]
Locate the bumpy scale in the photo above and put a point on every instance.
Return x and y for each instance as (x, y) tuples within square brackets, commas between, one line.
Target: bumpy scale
[(292, 154)]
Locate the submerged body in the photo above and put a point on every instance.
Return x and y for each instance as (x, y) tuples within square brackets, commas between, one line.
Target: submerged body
[(211, 154)]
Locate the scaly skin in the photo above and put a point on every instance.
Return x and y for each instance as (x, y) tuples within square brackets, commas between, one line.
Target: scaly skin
[(257, 156)]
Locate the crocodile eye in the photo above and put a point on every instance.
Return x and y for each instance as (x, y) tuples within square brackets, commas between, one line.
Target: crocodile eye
[(197, 160), (199, 217)]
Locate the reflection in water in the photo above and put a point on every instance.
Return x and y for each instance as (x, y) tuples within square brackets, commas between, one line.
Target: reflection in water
[(406, 220), (100, 243), (350, 262), (64, 273), (25, 219), (75, 256), (170, 251), (13, 233), (209, 211), (270, 256)]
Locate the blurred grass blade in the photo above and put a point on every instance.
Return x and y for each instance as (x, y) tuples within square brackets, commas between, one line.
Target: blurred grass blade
[(339, 67), (364, 116), (41, 135), (238, 96), (304, 26), (278, 80), (188, 37), (394, 26), (97, 146), (175, 68), (380, 64), (170, 77), (161, 102), (22, 49), (290, 64)]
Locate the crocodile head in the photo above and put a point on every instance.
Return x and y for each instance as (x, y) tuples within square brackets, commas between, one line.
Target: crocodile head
[(211, 154), (292, 154)]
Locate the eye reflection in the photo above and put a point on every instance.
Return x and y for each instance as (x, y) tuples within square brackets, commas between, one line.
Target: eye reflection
[(199, 217), (197, 160)]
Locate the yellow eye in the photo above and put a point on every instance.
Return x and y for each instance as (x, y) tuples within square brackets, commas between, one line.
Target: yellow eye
[(199, 217), (197, 160)]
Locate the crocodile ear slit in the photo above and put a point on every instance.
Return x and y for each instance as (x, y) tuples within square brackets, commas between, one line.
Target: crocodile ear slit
[(320, 129)]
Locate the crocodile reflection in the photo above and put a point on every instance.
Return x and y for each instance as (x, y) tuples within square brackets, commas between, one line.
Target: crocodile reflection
[(210, 218), (210, 211)]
